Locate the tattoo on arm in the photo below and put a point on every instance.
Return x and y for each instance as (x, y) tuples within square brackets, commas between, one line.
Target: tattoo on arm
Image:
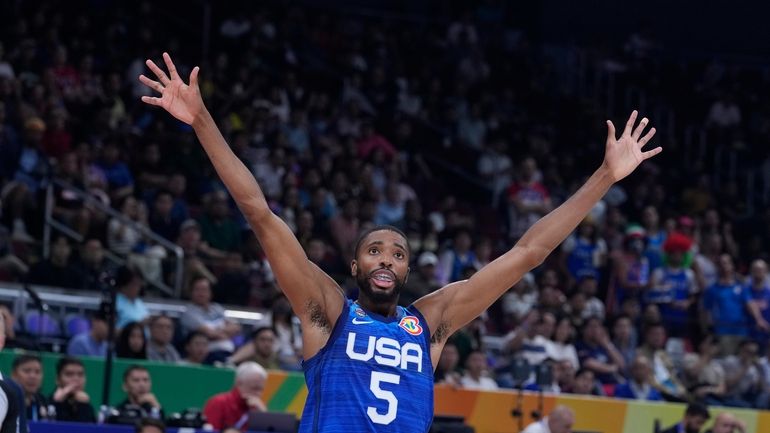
[(440, 334), (318, 316)]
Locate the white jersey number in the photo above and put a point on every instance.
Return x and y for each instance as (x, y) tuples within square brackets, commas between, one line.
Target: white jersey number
[(390, 415)]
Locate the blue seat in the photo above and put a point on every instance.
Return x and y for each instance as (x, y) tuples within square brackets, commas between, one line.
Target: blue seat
[(75, 324), (41, 324)]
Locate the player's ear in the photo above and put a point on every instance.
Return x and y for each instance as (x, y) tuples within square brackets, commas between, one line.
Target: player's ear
[(353, 267)]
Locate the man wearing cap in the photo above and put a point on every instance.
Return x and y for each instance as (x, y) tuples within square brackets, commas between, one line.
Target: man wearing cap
[(673, 287), (423, 281)]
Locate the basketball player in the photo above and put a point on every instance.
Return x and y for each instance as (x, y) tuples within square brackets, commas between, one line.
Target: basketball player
[(369, 364)]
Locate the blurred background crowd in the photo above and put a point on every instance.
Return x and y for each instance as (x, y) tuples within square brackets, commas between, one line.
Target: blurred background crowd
[(461, 129)]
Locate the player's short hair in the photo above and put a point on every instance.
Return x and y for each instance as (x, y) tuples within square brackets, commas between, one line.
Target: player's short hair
[(377, 228)]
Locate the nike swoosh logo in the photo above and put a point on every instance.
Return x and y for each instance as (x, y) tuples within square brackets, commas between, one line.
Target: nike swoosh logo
[(361, 322)]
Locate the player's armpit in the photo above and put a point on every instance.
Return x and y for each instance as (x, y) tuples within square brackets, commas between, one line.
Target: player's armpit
[(457, 304), (310, 291)]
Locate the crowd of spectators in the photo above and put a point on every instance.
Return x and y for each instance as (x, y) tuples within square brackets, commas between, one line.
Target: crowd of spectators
[(458, 131)]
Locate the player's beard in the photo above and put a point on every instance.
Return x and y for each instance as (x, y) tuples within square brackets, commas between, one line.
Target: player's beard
[(365, 285)]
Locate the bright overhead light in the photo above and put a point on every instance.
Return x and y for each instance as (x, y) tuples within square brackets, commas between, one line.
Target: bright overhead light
[(246, 315)]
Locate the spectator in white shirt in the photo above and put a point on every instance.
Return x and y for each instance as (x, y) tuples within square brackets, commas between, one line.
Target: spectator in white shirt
[(560, 420), (724, 113), (588, 285), (476, 374), (520, 299), (561, 347), (532, 340), (208, 317)]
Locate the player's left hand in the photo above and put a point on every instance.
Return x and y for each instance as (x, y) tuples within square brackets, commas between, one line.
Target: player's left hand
[(623, 155), (181, 100)]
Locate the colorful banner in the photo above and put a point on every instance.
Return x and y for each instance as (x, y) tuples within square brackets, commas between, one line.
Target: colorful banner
[(181, 387)]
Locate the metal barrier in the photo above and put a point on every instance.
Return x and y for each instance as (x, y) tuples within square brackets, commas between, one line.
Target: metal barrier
[(64, 300), (89, 200)]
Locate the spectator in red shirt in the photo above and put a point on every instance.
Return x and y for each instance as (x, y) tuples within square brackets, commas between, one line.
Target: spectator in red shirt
[(232, 408), (57, 141), (529, 199), (372, 142)]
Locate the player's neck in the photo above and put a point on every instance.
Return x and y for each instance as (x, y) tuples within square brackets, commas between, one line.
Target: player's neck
[(382, 308)]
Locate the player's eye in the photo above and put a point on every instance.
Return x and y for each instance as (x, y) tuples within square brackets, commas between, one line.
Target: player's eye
[(399, 255), (373, 251)]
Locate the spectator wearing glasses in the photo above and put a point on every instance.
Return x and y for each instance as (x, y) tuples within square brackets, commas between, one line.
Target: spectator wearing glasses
[(232, 408), (159, 347)]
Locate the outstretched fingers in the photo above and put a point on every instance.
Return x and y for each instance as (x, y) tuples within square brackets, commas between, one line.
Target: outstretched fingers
[(611, 131), (194, 77), (152, 84), (171, 67), (151, 100), (652, 152), (162, 77), (630, 124), (647, 137), (639, 129)]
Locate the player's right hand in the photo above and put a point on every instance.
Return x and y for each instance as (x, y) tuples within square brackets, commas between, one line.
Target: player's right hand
[(181, 100)]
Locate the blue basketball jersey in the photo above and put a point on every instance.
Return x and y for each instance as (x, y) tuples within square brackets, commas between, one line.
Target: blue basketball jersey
[(373, 375)]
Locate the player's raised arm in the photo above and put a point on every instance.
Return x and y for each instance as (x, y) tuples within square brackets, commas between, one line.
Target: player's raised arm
[(306, 286), (459, 303)]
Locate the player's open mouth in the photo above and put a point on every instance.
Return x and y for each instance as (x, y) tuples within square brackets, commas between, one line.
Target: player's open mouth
[(383, 278)]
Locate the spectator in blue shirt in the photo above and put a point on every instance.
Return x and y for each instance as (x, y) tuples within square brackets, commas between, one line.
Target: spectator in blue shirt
[(31, 174), (639, 387), (724, 305), (758, 294), (119, 178), (673, 287), (597, 353), (129, 306), (92, 342)]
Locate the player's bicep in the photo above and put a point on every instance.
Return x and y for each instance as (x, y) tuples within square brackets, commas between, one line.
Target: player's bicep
[(301, 281), (459, 303)]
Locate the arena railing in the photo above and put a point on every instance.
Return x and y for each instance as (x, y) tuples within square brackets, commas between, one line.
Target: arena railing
[(51, 223), (60, 301)]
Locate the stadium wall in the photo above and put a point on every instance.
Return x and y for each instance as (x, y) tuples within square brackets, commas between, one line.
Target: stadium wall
[(181, 387)]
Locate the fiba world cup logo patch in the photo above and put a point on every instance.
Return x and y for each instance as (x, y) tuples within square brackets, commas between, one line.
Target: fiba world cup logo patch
[(360, 313), (411, 325)]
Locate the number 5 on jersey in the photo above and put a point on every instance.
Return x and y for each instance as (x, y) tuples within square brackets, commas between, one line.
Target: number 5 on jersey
[(379, 377)]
